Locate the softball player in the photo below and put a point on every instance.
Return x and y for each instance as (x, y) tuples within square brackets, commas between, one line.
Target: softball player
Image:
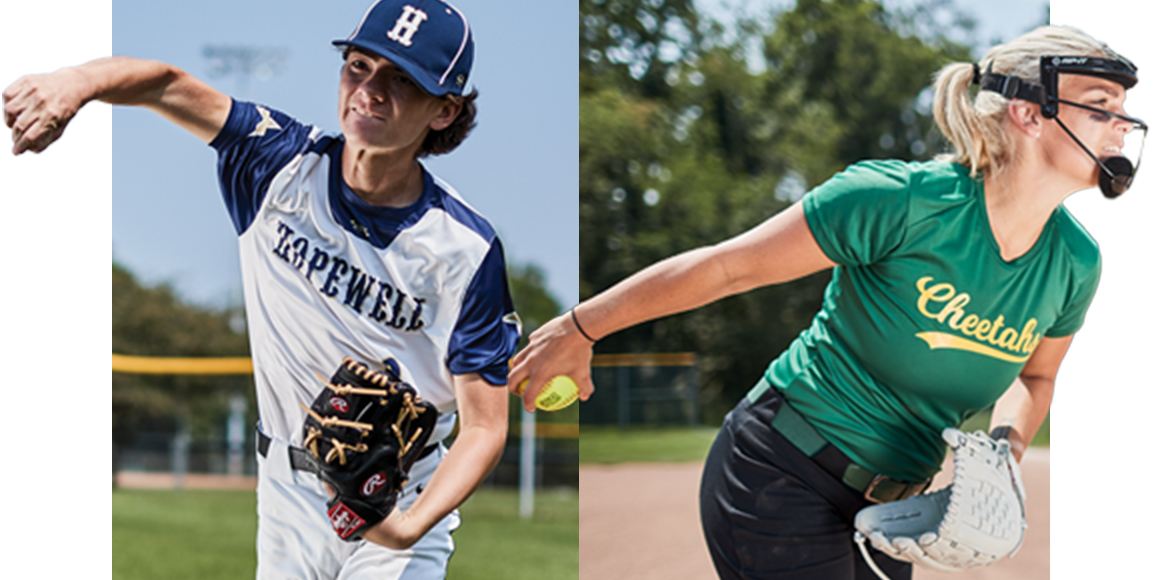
[(956, 283), (349, 247)]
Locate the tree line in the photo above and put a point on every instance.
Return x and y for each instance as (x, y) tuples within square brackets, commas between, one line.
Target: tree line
[(693, 131), (153, 320)]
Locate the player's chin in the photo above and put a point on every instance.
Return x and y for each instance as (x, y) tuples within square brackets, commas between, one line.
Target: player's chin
[(363, 129)]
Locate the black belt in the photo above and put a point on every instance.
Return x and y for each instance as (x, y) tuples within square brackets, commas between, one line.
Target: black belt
[(300, 459), (875, 487)]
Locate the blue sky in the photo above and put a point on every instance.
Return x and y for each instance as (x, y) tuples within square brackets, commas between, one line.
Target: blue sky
[(518, 167)]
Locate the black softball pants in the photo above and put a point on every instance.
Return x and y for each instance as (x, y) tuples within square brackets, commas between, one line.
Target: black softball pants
[(769, 512)]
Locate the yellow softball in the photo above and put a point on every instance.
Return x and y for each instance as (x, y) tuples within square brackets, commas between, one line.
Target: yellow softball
[(560, 392)]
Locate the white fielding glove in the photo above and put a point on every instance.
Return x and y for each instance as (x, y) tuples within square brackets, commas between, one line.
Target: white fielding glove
[(974, 522)]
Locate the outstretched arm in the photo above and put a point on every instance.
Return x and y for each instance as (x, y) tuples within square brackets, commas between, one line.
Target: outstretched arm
[(779, 250), (38, 107)]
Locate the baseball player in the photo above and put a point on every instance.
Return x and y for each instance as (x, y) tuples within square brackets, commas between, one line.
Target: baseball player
[(350, 248), (956, 283)]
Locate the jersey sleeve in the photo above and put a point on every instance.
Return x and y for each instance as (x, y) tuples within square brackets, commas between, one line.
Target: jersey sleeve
[(252, 147), (487, 331), (1076, 309), (859, 216)]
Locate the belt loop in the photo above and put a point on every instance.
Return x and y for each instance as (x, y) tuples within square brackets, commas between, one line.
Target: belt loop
[(795, 428), (263, 441), (858, 477), (758, 390)]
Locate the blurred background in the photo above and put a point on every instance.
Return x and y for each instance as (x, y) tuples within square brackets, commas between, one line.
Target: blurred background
[(700, 119)]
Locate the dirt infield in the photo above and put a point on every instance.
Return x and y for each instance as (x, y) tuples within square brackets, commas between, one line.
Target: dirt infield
[(142, 480), (640, 522)]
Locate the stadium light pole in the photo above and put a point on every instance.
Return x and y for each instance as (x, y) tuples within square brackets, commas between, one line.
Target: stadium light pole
[(244, 63), (527, 463)]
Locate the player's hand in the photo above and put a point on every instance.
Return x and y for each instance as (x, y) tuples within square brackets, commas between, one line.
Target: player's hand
[(38, 107), (556, 348)]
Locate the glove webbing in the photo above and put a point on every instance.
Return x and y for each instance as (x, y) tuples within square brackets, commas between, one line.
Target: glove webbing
[(407, 410), (333, 421), (861, 541), (382, 380), (337, 447)]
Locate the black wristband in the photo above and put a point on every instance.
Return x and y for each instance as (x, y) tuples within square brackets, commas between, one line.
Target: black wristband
[(1001, 432), (580, 328)]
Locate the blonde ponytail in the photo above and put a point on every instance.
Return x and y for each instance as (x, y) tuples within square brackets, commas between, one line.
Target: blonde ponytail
[(977, 128), (978, 138)]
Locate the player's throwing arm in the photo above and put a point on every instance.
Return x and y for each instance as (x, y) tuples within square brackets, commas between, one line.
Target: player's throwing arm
[(38, 107), (779, 250)]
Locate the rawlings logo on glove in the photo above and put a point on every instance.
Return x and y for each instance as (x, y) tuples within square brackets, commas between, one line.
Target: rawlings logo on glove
[(363, 432), (975, 521)]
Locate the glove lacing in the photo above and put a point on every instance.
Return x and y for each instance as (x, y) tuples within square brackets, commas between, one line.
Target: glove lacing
[(861, 541), (408, 412)]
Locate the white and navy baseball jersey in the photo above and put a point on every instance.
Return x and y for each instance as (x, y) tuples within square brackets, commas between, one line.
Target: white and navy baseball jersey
[(326, 275)]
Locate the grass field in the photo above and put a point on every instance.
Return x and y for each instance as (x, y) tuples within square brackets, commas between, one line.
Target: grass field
[(199, 534), (645, 444), (609, 445)]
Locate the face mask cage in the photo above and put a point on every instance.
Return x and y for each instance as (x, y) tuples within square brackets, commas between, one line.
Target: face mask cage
[(1116, 168)]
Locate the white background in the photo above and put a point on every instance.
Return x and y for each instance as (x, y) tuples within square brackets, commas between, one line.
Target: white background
[(1103, 495), (56, 285)]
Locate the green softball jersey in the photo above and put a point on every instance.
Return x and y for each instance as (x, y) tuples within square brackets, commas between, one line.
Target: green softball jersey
[(923, 323)]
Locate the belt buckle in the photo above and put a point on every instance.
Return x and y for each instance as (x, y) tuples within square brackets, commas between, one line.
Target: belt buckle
[(873, 486), (918, 488), (908, 489)]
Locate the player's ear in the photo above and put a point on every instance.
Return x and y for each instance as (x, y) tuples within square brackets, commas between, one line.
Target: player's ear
[(449, 110), (1024, 116)]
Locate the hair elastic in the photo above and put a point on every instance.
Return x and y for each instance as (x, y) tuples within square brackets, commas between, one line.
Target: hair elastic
[(578, 327)]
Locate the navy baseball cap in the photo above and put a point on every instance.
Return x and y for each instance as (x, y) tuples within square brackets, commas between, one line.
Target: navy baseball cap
[(429, 39)]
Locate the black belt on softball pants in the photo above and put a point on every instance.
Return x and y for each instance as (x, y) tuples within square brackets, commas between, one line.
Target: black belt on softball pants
[(875, 487), (300, 459)]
